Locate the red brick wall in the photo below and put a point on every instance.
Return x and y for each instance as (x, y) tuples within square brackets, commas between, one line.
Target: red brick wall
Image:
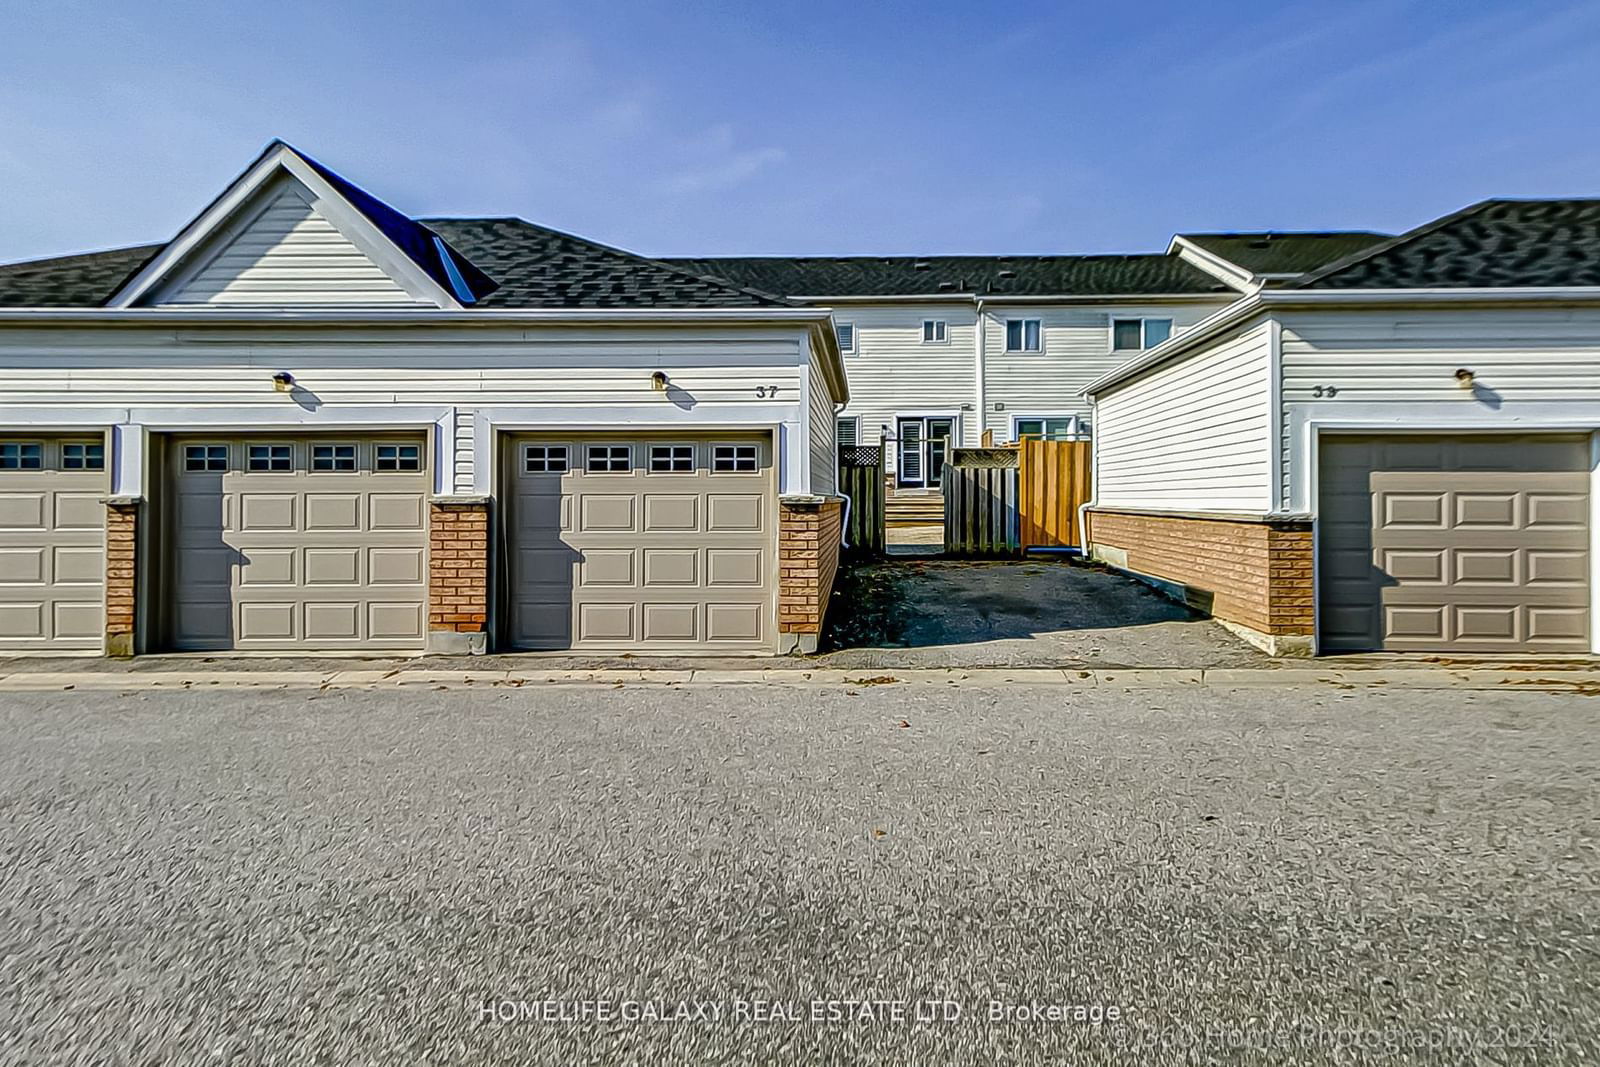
[(458, 567), (122, 529), (1253, 572), (808, 559)]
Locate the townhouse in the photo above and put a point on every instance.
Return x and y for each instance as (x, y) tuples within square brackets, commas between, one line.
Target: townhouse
[(946, 351)]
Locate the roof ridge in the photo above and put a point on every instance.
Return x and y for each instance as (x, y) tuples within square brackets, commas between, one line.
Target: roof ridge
[(670, 268), (1345, 262)]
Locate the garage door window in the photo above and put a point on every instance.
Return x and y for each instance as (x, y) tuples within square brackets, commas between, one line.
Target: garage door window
[(671, 459), (270, 458), (609, 459), (83, 456), (734, 459), (544, 459), (399, 458), (333, 457), (21, 455), (205, 457)]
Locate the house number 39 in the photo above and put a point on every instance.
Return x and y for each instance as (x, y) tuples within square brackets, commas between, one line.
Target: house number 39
[(764, 391)]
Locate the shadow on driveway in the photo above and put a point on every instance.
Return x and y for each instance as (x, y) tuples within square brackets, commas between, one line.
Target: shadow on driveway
[(1048, 613)]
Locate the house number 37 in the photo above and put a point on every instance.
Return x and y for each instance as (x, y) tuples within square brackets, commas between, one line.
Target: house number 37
[(764, 391)]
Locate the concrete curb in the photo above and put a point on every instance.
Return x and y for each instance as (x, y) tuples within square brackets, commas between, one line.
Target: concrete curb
[(1583, 681)]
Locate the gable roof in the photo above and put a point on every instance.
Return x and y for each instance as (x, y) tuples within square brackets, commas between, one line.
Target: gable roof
[(1493, 244), (961, 276), (1272, 252)]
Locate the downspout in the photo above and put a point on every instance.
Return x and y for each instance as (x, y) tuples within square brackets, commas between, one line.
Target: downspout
[(844, 520), (1094, 476), (978, 374)]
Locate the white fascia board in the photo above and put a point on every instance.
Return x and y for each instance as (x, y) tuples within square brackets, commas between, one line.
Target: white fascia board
[(280, 157), (417, 316), (1265, 299), (990, 298), (1213, 264)]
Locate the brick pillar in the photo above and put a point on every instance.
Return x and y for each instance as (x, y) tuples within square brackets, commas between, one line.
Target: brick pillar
[(808, 559), (458, 575), (122, 531)]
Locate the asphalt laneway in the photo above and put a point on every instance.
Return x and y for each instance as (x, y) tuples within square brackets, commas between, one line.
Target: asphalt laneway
[(1305, 875)]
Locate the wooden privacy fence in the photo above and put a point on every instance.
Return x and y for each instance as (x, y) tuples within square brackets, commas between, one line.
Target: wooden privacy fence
[(1054, 477), (980, 502), (861, 480), (1003, 501)]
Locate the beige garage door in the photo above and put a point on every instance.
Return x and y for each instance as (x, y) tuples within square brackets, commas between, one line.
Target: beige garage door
[(52, 543), (279, 543), (619, 543), (1466, 544)]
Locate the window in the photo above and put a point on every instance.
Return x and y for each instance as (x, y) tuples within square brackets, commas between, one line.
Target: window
[(609, 459), (1044, 428), (933, 331), (333, 457), (21, 456), (544, 459), (268, 458), (847, 336), (399, 458), (847, 431), (734, 458), (1131, 335), (83, 456), (671, 459), (205, 457), (1022, 335)]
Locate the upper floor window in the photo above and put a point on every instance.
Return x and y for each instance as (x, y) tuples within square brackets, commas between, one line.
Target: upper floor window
[(1131, 335), (847, 337), (933, 331), (1023, 335)]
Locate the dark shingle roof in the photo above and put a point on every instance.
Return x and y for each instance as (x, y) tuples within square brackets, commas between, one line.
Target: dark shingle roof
[(71, 281), (534, 267), (539, 267), (1285, 253), (827, 276), (1493, 244)]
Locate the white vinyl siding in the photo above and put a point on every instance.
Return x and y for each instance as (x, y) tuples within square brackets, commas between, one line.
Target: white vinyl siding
[(894, 373), (453, 376), (288, 254), (1193, 435), (820, 416), (1397, 367), (1075, 354)]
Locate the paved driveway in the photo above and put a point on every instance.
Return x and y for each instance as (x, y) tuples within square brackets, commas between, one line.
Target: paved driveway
[(431, 877), (1038, 612)]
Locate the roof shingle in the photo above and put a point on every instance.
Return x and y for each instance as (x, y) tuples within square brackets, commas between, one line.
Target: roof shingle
[(1272, 252)]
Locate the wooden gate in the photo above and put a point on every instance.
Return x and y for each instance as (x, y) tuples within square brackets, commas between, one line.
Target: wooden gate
[(1054, 482), (861, 480), (980, 503)]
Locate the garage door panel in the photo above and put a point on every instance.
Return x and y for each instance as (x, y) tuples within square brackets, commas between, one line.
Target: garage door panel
[(327, 559), (668, 548), (1475, 542), (333, 512), (24, 511), (52, 546)]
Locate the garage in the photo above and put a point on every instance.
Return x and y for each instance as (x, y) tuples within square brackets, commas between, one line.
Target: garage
[(52, 543), (279, 543), (1470, 543), (624, 543)]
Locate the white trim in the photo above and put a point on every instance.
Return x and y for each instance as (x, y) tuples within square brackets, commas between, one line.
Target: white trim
[(1005, 335), (855, 337), (980, 371), (1144, 323), (195, 315), (1074, 421), (278, 158), (837, 419), (1275, 498), (1224, 270), (803, 418), (953, 297), (1594, 542)]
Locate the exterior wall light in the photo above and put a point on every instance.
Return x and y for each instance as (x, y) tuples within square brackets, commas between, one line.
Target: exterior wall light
[(658, 381), (1464, 378), (283, 381)]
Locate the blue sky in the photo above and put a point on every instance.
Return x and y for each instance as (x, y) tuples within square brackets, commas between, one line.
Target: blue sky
[(693, 128)]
